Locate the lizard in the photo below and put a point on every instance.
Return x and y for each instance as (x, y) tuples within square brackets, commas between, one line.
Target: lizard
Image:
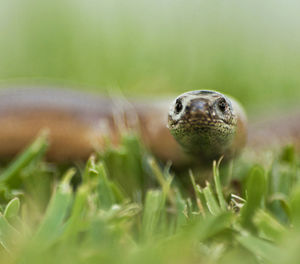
[(197, 126)]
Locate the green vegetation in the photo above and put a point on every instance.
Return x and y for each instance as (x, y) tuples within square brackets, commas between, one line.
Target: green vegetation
[(123, 206), (249, 49), (86, 214)]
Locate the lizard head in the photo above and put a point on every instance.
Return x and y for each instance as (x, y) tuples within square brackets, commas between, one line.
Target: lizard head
[(203, 122)]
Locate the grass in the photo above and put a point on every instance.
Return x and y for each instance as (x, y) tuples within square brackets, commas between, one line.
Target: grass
[(123, 206), (85, 214), (248, 49)]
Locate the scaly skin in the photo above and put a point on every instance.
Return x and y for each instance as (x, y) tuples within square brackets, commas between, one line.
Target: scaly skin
[(79, 124), (207, 124)]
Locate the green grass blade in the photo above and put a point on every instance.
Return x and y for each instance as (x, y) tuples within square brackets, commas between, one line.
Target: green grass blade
[(210, 226), (164, 181), (72, 225), (255, 191), (211, 201), (295, 207), (105, 192), (12, 209), (36, 149), (218, 186), (154, 205), (199, 195), (8, 234), (51, 226), (259, 247), (269, 226)]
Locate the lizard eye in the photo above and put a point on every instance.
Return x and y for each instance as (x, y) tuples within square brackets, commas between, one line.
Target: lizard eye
[(222, 105), (178, 106)]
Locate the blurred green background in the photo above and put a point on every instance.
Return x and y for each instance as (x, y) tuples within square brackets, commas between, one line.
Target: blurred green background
[(250, 49)]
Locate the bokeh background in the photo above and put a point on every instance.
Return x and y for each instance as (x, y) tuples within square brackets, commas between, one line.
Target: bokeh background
[(250, 49)]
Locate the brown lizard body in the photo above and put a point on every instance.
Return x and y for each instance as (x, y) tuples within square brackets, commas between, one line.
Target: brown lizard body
[(79, 123)]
